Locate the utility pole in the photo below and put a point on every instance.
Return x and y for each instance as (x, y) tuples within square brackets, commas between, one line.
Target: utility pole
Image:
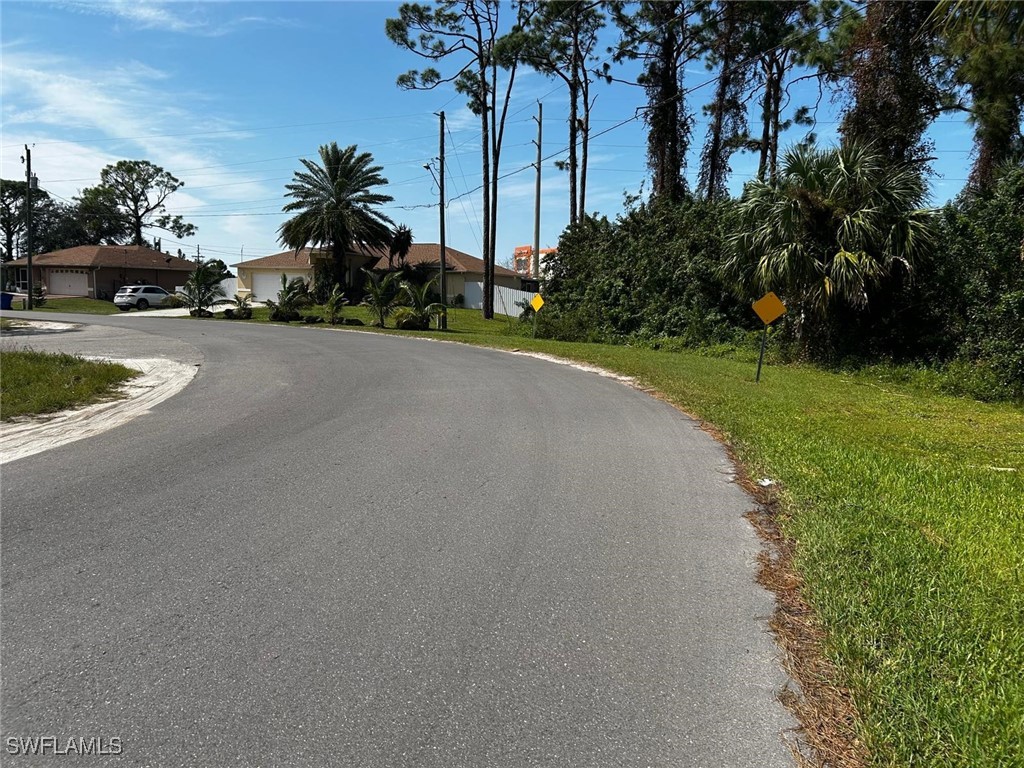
[(442, 322), (28, 219), (536, 204)]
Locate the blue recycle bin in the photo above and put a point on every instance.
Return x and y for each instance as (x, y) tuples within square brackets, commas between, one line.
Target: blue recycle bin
[(5, 300)]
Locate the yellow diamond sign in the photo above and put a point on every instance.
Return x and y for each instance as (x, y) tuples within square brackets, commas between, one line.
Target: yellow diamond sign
[(769, 308), (537, 302)]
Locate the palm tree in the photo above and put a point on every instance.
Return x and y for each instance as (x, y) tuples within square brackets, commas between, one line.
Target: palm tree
[(416, 314), (381, 296), (835, 223), (242, 309), (202, 290), (294, 294), (336, 205), (334, 304), (401, 242)]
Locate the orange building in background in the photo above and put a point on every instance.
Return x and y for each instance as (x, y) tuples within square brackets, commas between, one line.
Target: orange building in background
[(522, 259)]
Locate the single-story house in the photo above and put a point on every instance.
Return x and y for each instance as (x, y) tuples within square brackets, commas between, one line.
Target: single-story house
[(99, 270), (261, 278), (464, 274)]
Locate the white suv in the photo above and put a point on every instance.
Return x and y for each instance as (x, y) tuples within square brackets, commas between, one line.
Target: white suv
[(140, 297)]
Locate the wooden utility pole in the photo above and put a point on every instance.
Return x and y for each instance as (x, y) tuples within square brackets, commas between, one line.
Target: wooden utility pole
[(536, 204), (442, 321), (28, 220)]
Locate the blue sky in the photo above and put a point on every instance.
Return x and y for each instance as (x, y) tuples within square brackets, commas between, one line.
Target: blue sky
[(228, 96)]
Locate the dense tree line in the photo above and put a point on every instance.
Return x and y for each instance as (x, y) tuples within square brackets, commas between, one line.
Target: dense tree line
[(842, 233)]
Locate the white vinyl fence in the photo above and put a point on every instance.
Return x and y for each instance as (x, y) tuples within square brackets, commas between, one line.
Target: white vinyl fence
[(229, 284), (504, 299)]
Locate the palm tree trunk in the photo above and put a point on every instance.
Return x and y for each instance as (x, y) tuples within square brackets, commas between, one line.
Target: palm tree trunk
[(338, 263)]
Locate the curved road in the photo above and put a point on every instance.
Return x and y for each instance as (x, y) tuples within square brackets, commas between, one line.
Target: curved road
[(344, 549)]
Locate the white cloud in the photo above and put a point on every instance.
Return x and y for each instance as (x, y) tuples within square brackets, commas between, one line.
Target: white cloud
[(138, 13), (178, 17), (127, 111)]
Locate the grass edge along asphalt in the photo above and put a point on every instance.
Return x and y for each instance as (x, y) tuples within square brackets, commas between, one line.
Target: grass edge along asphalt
[(895, 532), (34, 383)]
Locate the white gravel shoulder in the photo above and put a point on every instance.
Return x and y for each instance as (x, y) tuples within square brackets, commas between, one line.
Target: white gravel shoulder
[(160, 378)]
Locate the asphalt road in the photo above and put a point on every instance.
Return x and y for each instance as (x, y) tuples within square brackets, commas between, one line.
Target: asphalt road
[(343, 549)]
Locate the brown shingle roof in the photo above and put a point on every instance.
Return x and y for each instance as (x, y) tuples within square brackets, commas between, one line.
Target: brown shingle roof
[(455, 261), (293, 259), (132, 256)]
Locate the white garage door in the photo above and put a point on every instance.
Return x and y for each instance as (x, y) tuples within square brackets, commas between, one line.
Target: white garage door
[(68, 282), (266, 285)]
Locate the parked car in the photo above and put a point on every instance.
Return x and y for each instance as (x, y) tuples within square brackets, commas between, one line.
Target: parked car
[(140, 297)]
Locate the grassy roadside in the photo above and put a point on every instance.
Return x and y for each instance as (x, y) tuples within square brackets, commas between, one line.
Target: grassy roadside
[(907, 511), (38, 382), (80, 305)]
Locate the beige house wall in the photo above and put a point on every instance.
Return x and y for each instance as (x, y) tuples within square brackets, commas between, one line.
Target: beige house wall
[(244, 281)]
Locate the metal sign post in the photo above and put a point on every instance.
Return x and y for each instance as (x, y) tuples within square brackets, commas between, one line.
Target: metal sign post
[(537, 303), (769, 308), (760, 358)]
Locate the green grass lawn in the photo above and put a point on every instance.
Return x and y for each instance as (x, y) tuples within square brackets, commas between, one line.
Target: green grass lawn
[(907, 510), (80, 305), (39, 382)]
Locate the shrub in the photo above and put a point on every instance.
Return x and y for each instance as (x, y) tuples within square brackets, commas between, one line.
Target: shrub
[(203, 289), (651, 273), (335, 301), (382, 294), (173, 301), (420, 309), (293, 295)]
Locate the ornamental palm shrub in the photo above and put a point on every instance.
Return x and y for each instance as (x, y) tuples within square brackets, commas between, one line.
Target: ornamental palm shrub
[(242, 309), (335, 301), (202, 290), (293, 295), (416, 313), (837, 224), (382, 295)]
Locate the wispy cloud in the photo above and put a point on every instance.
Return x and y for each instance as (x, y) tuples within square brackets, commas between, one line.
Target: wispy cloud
[(127, 110), (179, 17), (138, 14)]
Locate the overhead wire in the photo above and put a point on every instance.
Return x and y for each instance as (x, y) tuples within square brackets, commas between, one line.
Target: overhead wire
[(639, 112)]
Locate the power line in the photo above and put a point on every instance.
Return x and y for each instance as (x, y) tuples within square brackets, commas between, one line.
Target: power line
[(682, 94), (476, 217)]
